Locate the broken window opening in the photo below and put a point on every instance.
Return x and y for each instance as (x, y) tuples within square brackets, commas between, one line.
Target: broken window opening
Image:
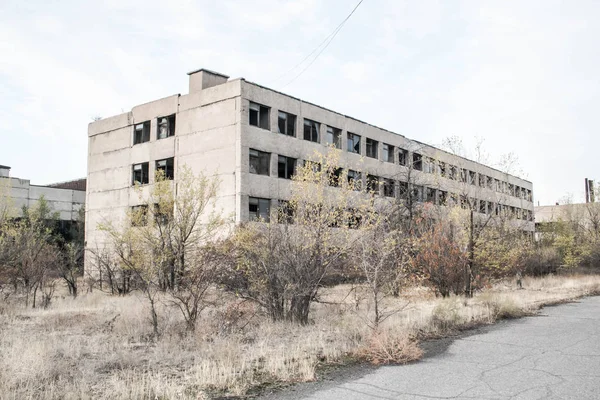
[(139, 215), (402, 156), (452, 172), (285, 212), (490, 182), (259, 115), (483, 206), (441, 167), (389, 187), (286, 124), (259, 209), (166, 127), (286, 167), (417, 193), (417, 160), (167, 166), (388, 153), (372, 147), (472, 177), (430, 195), (402, 190), (334, 137), (311, 130), (259, 162), (163, 213), (353, 143), (442, 198), (354, 179), (482, 180), (463, 174), (373, 184), (335, 176), (141, 133), (140, 174)]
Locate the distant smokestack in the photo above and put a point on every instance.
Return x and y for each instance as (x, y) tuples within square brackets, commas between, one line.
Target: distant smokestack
[(587, 191)]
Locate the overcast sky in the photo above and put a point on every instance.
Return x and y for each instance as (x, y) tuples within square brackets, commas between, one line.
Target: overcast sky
[(521, 75)]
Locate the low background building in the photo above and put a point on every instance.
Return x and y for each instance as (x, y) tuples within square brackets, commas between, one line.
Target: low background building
[(65, 198)]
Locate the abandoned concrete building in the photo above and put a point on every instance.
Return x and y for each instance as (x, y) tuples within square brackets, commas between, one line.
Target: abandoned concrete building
[(65, 198), (253, 138)]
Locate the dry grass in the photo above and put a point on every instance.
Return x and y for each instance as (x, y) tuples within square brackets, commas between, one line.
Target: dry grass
[(98, 346)]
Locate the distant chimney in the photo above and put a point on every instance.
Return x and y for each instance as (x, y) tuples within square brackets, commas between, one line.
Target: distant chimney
[(587, 191), (4, 171), (203, 79)]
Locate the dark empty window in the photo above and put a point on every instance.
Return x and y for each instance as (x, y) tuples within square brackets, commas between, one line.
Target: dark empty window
[(259, 162), (286, 167), (259, 115), (286, 123), (371, 148), (167, 167), (139, 215), (388, 153), (482, 180), (334, 136), (442, 168), (165, 127), (353, 143), (140, 174), (402, 190), (335, 174), (463, 174), (472, 177), (442, 197), (430, 195), (417, 161), (402, 157), (388, 187), (373, 183), (163, 213), (259, 209), (141, 133), (417, 193), (354, 179), (483, 206), (311, 130)]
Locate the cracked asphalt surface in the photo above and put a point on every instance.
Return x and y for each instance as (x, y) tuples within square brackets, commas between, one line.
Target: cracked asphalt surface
[(552, 356)]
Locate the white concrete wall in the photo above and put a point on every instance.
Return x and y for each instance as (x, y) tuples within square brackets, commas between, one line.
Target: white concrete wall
[(206, 133), (66, 202), (296, 147)]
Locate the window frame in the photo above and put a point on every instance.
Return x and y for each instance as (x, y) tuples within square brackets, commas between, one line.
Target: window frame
[(313, 128), (262, 120), (388, 150), (259, 214), (170, 122), (285, 161), (351, 138), (145, 177), (169, 173), (333, 133), (258, 170), (373, 146), (289, 122), (145, 133)]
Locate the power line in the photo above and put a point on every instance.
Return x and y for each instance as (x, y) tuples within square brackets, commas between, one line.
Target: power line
[(324, 44)]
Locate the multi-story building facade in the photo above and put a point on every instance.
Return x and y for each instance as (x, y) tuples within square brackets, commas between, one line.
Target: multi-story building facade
[(65, 198), (253, 137)]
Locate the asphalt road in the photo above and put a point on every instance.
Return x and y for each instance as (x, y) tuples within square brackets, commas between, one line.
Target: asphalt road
[(552, 356)]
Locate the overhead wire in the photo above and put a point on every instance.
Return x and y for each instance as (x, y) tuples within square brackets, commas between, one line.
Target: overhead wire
[(323, 46)]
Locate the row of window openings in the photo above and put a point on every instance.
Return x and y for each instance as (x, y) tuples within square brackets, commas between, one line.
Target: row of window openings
[(260, 164), (165, 128), (141, 174), (260, 208), (259, 116), (140, 215)]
